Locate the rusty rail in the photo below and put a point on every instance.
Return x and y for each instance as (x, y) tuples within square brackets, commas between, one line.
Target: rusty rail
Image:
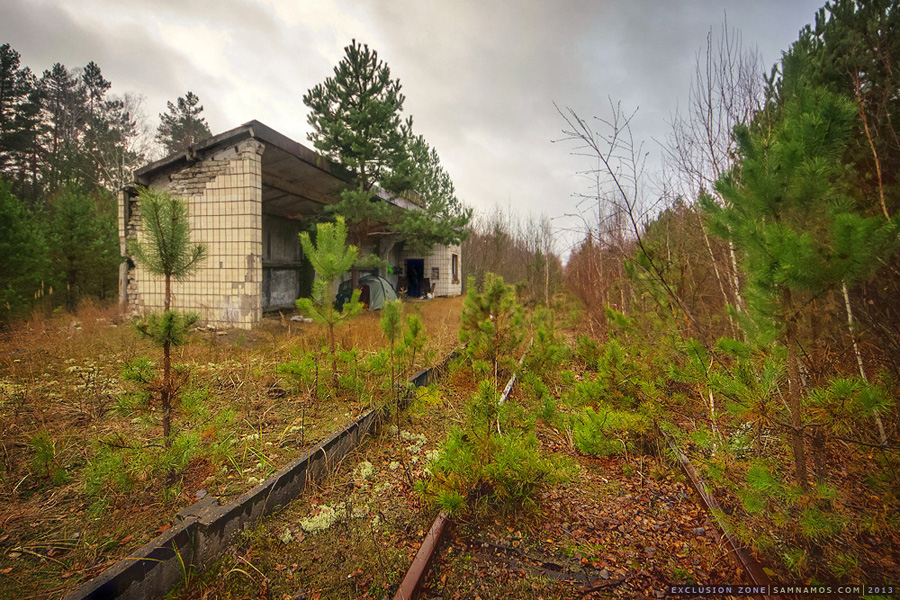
[(747, 561), (415, 576), (411, 585)]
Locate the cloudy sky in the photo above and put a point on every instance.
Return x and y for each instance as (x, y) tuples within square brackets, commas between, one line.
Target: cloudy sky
[(480, 76)]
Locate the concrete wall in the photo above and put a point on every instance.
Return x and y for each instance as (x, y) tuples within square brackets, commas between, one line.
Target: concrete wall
[(441, 258), (285, 276), (224, 193)]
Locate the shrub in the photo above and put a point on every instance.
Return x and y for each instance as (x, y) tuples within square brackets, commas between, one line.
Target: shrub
[(494, 458), (607, 431), (491, 326)]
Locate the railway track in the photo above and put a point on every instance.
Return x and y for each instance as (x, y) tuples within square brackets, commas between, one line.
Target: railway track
[(553, 567)]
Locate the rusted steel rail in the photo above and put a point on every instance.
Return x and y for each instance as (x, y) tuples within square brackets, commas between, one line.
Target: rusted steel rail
[(512, 380), (411, 585), (415, 576), (747, 561)]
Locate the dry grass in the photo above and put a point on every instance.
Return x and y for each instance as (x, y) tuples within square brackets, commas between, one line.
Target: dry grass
[(60, 377)]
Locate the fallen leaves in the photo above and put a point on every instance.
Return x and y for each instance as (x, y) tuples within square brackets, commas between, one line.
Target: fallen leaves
[(621, 536)]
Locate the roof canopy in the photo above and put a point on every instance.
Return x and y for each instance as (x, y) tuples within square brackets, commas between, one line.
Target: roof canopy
[(296, 181)]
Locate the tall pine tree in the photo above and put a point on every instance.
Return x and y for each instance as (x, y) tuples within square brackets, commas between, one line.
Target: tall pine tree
[(356, 120), (182, 125)]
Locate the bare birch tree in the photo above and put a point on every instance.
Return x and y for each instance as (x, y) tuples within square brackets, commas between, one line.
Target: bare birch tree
[(727, 89)]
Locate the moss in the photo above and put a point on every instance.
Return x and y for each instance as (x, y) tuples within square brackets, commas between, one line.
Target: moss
[(364, 471)]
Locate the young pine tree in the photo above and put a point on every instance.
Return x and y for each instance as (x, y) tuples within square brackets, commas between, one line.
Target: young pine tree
[(331, 258), (392, 329), (166, 251), (491, 324), (792, 213)]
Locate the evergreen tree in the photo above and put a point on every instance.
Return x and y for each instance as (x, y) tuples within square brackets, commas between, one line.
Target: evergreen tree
[(99, 128), (356, 120), (20, 126), (114, 144), (355, 116), (16, 85), (491, 325), (853, 50), (331, 258), (166, 251), (443, 219), (23, 256), (95, 86), (182, 125), (83, 244), (791, 213), (64, 112), (26, 150)]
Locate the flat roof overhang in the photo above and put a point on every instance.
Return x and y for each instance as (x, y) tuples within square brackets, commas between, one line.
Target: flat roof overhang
[(296, 181)]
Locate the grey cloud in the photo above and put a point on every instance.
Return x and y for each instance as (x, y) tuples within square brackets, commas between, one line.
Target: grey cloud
[(480, 77)]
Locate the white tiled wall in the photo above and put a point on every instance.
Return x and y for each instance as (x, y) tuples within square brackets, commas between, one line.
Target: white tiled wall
[(226, 216), (441, 259)]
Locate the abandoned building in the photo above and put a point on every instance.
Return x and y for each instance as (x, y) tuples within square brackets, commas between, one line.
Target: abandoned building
[(248, 192)]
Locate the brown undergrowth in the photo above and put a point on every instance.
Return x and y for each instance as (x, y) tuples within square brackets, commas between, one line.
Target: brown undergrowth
[(80, 452), (624, 525)]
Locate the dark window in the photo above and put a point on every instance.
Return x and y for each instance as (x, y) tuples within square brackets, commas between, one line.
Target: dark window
[(454, 267)]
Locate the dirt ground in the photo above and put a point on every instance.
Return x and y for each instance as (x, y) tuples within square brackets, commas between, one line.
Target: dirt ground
[(622, 527), (61, 378)]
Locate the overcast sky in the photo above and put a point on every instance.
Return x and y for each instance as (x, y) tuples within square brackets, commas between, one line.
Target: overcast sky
[(480, 76)]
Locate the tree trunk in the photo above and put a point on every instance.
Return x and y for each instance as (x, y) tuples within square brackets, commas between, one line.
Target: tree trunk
[(334, 375), (818, 447), (717, 272), (167, 386), (794, 395), (882, 436), (166, 395), (735, 279), (547, 280)]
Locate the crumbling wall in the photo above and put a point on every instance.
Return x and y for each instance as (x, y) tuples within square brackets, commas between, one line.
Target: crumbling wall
[(224, 194)]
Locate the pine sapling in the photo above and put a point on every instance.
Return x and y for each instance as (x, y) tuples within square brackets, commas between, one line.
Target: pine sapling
[(166, 251), (331, 258)]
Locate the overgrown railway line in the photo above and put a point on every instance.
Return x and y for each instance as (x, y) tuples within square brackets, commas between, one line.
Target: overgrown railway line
[(603, 535)]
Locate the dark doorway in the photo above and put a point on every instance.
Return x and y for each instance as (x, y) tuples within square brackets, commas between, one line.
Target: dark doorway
[(415, 272)]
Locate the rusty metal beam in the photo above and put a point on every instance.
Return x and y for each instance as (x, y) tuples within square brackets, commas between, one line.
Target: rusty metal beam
[(415, 576), (747, 561), (412, 582)]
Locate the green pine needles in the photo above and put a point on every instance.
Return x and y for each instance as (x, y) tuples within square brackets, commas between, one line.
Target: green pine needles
[(356, 120), (331, 258), (793, 215), (166, 251), (492, 326)]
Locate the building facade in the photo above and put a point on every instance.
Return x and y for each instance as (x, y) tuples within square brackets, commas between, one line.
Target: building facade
[(248, 191)]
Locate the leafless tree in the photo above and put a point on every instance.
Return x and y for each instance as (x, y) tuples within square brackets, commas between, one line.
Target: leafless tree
[(622, 190), (727, 89)]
